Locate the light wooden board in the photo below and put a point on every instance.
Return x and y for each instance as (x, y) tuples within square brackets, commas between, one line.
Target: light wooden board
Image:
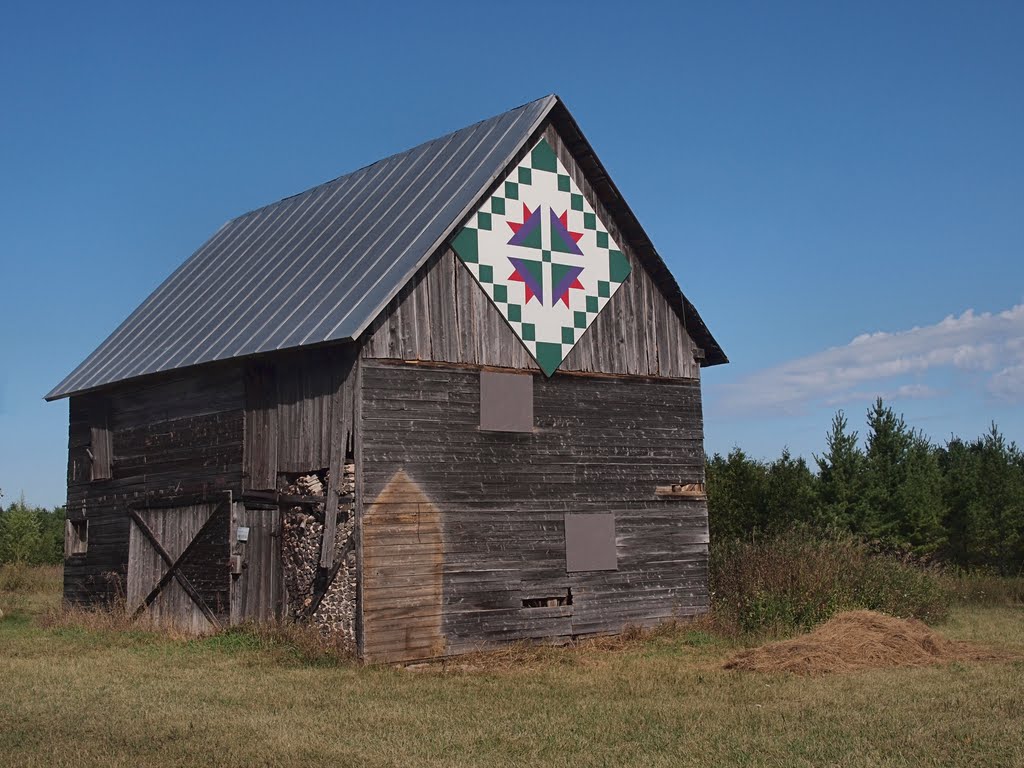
[(400, 624)]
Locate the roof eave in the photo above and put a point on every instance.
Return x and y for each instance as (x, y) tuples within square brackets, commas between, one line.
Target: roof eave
[(605, 187)]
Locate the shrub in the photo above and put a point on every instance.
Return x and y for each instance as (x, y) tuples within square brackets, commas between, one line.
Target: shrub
[(983, 587), (32, 535), (795, 580), (899, 588)]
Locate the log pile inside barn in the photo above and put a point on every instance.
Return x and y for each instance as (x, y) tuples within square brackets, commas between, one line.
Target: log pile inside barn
[(332, 610)]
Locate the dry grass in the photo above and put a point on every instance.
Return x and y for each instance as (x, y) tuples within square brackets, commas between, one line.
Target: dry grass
[(980, 588), (857, 640), (282, 643), (29, 589), (290, 643), (589, 651), (18, 577), (72, 696), (112, 618)]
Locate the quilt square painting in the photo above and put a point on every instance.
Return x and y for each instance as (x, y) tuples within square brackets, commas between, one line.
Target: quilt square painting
[(543, 256)]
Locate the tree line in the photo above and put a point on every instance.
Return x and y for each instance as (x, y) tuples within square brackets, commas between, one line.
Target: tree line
[(31, 535), (961, 503)]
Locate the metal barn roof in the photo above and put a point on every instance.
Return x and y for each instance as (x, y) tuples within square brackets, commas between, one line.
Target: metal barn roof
[(321, 265)]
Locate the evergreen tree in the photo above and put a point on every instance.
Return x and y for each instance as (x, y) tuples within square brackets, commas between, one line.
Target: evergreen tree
[(963, 502), (919, 503), (995, 520), (841, 477), (735, 487), (958, 462), (790, 494), (888, 441), (903, 485)]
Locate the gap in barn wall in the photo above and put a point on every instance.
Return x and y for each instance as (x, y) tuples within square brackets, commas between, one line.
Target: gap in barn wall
[(325, 600)]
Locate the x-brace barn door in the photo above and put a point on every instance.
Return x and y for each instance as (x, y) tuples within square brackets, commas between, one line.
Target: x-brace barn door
[(178, 565)]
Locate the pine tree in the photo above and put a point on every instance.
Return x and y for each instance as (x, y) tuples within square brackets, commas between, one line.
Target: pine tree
[(841, 478), (736, 490), (995, 523), (959, 462), (790, 494), (886, 446), (919, 501)]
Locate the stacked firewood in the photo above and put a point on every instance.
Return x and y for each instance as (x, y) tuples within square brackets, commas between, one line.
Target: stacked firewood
[(310, 485), (300, 545)]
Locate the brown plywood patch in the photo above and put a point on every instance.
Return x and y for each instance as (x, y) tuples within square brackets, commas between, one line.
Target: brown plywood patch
[(590, 543), (506, 402), (402, 574)]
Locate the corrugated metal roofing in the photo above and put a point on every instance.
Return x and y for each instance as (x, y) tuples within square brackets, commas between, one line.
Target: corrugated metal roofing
[(311, 268), (320, 266)]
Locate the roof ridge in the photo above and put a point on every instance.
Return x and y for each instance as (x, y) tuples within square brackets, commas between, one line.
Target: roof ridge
[(391, 157), (240, 292)]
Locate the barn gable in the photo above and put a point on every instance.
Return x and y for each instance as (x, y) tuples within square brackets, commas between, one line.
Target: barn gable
[(565, 265), (320, 266), (637, 332)]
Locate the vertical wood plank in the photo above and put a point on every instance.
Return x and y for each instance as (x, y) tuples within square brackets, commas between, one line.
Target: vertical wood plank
[(357, 529), (100, 441), (260, 451), (341, 405), (665, 352)]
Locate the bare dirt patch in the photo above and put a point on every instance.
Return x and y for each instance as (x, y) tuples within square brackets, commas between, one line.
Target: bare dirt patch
[(859, 640)]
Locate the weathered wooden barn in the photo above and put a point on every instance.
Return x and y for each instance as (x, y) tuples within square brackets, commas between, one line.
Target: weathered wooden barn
[(445, 402)]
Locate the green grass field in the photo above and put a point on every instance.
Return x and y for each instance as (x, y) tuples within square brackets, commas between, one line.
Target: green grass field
[(77, 697)]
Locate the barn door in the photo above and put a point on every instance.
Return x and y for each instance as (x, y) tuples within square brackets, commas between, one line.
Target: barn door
[(178, 565), (257, 588)]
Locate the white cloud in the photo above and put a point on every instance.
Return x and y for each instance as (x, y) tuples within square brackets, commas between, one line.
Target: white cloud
[(871, 364), (905, 392), (1008, 384)]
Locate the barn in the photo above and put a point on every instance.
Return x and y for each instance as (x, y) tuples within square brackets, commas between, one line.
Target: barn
[(446, 402)]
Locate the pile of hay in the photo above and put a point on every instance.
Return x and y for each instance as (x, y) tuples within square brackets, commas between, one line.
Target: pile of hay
[(858, 640)]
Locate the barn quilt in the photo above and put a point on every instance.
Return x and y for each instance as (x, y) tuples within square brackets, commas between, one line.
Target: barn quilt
[(543, 256)]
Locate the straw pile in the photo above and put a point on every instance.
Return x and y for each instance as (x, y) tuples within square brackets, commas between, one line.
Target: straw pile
[(858, 640)]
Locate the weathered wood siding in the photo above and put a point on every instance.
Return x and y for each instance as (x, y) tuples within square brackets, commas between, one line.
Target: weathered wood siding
[(599, 445), (257, 592), (403, 571), (195, 538), (291, 401), (443, 315), (170, 437)]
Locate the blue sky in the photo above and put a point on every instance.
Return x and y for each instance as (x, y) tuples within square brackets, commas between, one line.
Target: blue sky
[(839, 188)]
